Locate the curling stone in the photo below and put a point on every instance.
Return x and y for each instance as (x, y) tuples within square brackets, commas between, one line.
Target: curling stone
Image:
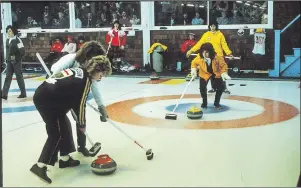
[(194, 113), (103, 165), (188, 77)]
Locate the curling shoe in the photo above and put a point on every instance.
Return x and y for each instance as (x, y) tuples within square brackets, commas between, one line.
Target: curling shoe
[(41, 173), (218, 106), (22, 96), (84, 151), (227, 91), (70, 163)]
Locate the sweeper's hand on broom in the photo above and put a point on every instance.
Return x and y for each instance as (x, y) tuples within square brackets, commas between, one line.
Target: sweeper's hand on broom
[(193, 73), (225, 76)]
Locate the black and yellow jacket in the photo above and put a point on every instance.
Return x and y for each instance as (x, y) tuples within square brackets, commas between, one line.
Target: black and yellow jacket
[(218, 66), (64, 91)]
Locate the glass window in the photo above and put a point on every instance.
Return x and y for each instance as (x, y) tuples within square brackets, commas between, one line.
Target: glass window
[(104, 13), (45, 15), (173, 13), (239, 12)]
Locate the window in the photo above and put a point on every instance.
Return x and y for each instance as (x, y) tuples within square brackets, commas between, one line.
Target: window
[(45, 15), (104, 13), (239, 12), (179, 13)]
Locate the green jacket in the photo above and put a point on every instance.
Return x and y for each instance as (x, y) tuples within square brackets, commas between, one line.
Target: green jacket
[(15, 48)]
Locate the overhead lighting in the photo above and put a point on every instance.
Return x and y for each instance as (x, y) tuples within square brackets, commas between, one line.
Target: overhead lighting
[(201, 6), (238, 1), (247, 4), (262, 7), (255, 6), (190, 5)]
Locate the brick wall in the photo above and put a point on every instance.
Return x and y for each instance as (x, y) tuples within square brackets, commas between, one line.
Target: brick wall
[(41, 44)]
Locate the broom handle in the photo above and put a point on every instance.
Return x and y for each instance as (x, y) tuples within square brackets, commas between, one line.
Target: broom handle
[(182, 95)]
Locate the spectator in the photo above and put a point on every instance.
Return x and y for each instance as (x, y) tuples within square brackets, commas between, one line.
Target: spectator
[(197, 20), (114, 17), (223, 20), (184, 20), (46, 23), (78, 22), (81, 42), (70, 46), (55, 51), (135, 20), (89, 22), (124, 20), (63, 22)]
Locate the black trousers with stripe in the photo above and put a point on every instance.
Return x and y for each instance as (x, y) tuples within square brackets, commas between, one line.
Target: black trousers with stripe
[(59, 131)]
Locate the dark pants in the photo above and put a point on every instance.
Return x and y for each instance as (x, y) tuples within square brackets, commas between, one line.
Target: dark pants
[(60, 138), (13, 67), (81, 137), (224, 83), (217, 85)]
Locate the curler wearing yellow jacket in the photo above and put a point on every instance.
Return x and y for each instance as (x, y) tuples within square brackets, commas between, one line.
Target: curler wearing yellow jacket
[(211, 67)]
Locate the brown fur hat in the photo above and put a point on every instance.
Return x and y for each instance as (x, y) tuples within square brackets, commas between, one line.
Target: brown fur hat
[(99, 63), (89, 50)]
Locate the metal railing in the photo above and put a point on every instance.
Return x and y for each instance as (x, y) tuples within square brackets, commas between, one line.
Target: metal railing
[(276, 71)]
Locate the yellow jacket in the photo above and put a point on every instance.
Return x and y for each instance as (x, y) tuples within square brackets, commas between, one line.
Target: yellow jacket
[(219, 66), (151, 50), (217, 40)]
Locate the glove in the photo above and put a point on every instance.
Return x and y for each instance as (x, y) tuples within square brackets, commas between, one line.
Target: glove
[(193, 73), (225, 76), (188, 53), (104, 114), (82, 128)]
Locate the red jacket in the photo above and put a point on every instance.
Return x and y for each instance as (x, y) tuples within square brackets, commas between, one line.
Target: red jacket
[(80, 45), (57, 47), (187, 45), (118, 38)]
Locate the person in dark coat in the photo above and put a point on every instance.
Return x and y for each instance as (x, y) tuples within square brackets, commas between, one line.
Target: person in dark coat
[(14, 53)]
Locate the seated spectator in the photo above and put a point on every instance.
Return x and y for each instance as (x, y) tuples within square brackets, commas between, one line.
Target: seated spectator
[(70, 46), (55, 52), (81, 42), (197, 20), (185, 47)]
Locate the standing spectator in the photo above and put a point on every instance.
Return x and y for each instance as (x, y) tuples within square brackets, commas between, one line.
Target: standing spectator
[(78, 22), (124, 20), (114, 17), (63, 22), (46, 23), (117, 38), (14, 53), (89, 22), (197, 20), (184, 20)]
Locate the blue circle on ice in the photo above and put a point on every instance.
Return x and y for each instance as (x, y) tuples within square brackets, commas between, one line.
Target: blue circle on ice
[(182, 108), (26, 108)]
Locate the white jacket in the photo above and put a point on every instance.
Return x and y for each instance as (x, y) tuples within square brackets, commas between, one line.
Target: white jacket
[(68, 61)]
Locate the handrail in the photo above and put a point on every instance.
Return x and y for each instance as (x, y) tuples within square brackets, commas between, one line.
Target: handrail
[(290, 24)]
